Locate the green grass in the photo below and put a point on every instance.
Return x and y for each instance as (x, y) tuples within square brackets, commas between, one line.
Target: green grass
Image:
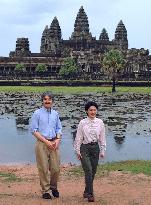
[(135, 167), (9, 177), (73, 90), (54, 89)]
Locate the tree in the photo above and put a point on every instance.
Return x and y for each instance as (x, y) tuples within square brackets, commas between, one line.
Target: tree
[(113, 64), (41, 68), (68, 69), (20, 68)]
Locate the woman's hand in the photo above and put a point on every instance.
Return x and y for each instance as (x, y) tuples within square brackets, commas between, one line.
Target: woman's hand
[(79, 156), (102, 155)]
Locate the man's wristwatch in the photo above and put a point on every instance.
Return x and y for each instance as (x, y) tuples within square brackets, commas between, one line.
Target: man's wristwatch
[(58, 137)]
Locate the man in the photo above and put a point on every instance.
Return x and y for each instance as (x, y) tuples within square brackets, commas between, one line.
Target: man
[(46, 127)]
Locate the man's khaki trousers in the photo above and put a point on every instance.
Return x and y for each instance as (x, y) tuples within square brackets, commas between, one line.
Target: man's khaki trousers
[(48, 164)]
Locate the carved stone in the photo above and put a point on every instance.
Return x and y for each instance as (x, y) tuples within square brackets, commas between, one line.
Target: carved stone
[(82, 46)]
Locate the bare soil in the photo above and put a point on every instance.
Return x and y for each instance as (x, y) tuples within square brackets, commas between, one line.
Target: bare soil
[(114, 188)]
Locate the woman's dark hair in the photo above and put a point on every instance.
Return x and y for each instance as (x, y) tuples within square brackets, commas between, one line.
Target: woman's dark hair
[(89, 104), (50, 95)]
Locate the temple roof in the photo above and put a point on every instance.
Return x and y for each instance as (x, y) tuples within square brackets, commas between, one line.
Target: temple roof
[(81, 26), (104, 35), (55, 30), (121, 32)]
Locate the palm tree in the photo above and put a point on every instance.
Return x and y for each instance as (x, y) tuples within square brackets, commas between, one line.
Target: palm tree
[(113, 64)]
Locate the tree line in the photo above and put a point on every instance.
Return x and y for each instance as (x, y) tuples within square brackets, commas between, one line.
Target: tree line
[(112, 64)]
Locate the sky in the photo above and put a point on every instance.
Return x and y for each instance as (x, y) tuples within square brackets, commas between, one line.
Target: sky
[(28, 18)]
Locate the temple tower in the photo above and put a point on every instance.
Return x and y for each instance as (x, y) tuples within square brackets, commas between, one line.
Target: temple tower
[(55, 30), (51, 39), (104, 35), (22, 47), (121, 35), (81, 27), (44, 40)]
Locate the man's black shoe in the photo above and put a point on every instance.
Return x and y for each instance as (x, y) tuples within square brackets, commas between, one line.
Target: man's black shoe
[(55, 193), (46, 196)]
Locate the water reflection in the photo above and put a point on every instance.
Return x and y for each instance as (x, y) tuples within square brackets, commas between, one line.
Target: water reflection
[(17, 144), (119, 139), (127, 126)]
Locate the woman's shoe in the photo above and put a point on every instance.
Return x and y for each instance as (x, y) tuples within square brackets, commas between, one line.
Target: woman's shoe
[(85, 195), (90, 198)]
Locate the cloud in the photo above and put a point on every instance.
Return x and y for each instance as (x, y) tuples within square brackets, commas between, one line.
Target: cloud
[(18, 12), (28, 18)]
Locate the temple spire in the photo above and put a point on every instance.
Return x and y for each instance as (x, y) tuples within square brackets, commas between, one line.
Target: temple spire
[(81, 26), (104, 35), (51, 39), (55, 30), (121, 34)]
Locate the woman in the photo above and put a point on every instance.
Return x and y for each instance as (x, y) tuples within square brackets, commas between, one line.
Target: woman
[(90, 144)]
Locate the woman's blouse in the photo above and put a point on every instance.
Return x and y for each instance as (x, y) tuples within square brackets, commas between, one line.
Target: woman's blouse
[(90, 130)]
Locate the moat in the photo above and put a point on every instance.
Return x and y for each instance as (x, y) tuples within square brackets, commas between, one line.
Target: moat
[(127, 119)]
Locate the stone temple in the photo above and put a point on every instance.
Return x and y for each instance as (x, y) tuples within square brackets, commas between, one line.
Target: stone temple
[(82, 46)]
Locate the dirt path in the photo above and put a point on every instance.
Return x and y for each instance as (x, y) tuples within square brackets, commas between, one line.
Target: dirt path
[(116, 188)]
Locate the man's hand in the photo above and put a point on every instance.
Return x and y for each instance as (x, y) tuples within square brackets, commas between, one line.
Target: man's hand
[(57, 143), (50, 145)]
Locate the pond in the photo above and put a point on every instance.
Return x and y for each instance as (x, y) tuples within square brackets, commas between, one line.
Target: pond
[(17, 145), (127, 119)]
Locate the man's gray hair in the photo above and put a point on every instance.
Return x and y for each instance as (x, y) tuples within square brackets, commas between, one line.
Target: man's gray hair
[(49, 94)]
